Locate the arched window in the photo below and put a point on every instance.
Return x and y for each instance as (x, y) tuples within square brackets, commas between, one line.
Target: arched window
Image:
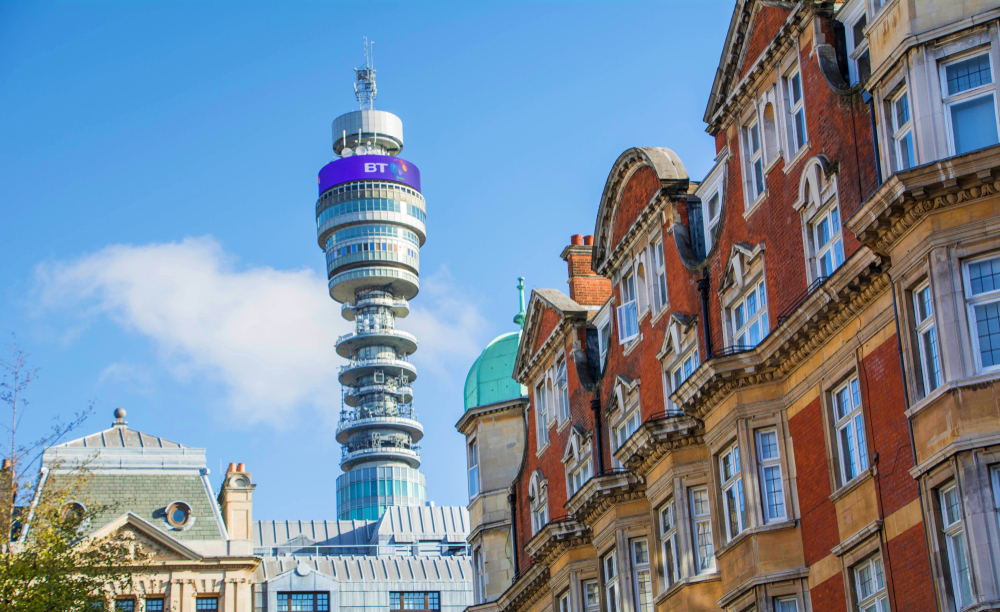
[(538, 499), (822, 223)]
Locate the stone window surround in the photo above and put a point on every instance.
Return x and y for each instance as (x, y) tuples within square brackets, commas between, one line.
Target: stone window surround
[(761, 596), (658, 236), (927, 112), (539, 501), (942, 263), (846, 368), (679, 342), (578, 452), (748, 270), (786, 125), (824, 194), (677, 484), (473, 439), (754, 113), (615, 538)]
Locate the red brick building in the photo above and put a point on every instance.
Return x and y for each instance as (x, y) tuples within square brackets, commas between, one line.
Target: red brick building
[(746, 403)]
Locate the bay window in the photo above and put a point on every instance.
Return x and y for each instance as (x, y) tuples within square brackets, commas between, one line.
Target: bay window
[(970, 104), (701, 529), (669, 566), (733, 503), (959, 579), (612, 591), (641, 578), (927, 347), (902, 136), (628, 312), (772, 487), (850, 431), (982, 294)]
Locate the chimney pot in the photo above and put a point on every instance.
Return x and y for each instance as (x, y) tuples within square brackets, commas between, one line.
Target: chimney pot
[(232, 468), (588, 240), (241, 467), (576, 240)]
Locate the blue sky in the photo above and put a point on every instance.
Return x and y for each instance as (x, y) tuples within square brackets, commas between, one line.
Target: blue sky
[(159, 168)]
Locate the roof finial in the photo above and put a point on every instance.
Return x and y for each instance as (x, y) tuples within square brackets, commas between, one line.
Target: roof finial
[(119, 418), (519, 317)]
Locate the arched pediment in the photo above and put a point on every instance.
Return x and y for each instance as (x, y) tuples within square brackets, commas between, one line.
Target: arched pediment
[(668, 170)]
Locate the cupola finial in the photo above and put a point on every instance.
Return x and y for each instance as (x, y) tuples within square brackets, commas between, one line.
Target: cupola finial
[(519, 317)]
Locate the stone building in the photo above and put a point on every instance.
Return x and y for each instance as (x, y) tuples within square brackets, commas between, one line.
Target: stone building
[(208, 554), (746, 401)]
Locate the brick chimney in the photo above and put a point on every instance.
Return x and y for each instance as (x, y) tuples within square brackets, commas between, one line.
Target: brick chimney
[(585, 287), (236, 502)]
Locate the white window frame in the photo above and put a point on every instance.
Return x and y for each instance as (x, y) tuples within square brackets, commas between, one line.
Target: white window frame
[(760, 316), (903, 134), (542, 414), (795, 111), (849, 428), (603, 324), (712, 217), (660, 296), (681, 371), (477, 558), (772, 491), (869, 585), (612, 592), (834, 246), (628, 425), (642, 577), (562, 390), (956, 547), (564, 602), (928, 354), (981, 299), (628, 312), (949, 100), (995, 486), (754, 159), (731, 488), (669, 553), (539, 504), (475, 487), (579, 476), (856, 49), (786, 604), (701, 530), (588, 588)]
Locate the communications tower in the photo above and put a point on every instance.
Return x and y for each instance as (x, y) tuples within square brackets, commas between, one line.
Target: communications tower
[(370, 220)]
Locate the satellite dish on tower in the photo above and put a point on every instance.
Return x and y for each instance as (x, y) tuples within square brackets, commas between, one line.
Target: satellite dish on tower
[(360, 150), (347, 152)]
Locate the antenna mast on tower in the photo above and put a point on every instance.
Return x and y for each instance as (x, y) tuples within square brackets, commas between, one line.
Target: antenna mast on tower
[(364, 87)]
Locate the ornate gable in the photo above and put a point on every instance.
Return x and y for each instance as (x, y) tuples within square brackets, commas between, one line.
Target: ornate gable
[(144, 539), (740, 257), (547, 310), (678, 326)]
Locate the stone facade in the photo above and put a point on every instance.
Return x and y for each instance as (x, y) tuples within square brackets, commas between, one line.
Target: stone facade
[(786, 398)]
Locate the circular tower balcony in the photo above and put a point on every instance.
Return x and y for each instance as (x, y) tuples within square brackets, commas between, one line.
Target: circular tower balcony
[(400, 308), (353, 395), (351, 458), (401, 342), (353, 372), (405, 422)]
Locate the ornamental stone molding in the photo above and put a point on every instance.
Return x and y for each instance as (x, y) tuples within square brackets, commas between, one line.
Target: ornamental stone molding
[(555, 538), (657, 437), (602, 492)]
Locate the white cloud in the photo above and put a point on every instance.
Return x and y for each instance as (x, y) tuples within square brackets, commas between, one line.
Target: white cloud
[(268, 335)]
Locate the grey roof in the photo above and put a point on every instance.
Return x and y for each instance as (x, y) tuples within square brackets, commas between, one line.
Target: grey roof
[(120, 436), (372, 569), (399, 524)]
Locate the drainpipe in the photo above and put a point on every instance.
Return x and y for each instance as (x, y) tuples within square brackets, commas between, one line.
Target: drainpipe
[(512, 500), (703, 284), (595, 405)]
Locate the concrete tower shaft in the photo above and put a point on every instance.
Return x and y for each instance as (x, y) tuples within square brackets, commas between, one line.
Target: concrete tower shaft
[(370, 220)]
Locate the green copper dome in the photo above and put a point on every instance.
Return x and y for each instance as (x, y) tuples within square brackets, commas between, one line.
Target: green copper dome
[(489, 380)]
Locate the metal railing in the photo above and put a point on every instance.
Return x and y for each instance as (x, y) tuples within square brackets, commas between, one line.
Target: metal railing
[(403, 362), (347, 453), (377, 331), (800, 299)]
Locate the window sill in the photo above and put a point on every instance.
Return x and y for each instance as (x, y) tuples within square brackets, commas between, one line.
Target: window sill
[(774, 163), (542, 449), (949, 386), (853, 484), (631, 346), (755, 204), (562, 425), (799, 156), (786, 524), (708, 576), (659, 315)]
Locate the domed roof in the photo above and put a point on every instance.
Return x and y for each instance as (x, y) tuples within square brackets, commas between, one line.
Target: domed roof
[(490, 378)]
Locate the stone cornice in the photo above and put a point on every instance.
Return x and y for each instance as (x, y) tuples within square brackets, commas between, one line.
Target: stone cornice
[(822, 313), (907, 197), (527, 588), (478, 412), (657, 437), (599, 493), (556, 537)]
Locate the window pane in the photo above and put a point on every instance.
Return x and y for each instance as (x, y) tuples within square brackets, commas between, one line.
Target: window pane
[(974, 124), (758, 169), (988, 332), (906, 158), (768, 445), (754, 138), (800, 127), (705, 546), (902, 111), (859, 30), (154, 605), (774, 493), (968, 74), (984, 276), (796, 89)]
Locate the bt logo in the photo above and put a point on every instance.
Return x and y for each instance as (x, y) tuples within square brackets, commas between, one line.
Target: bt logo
[(375, 167)]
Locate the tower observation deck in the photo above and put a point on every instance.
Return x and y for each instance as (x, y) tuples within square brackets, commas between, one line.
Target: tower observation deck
[(370, 220)]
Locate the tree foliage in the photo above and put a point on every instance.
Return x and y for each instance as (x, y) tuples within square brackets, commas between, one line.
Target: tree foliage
[(48, 561)]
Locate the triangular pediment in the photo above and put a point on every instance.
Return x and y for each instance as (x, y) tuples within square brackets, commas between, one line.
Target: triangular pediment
[(546, 309), (741, 255), (678, 326), (145, 539)]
